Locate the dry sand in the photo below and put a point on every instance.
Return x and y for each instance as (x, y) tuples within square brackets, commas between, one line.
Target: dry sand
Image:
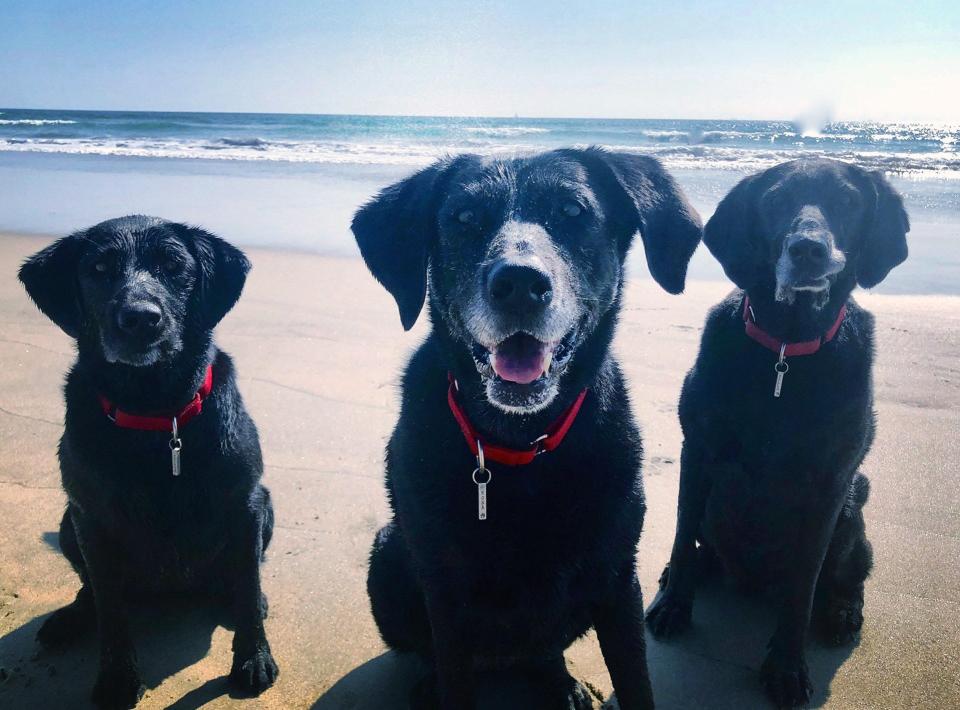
[(319, 348)]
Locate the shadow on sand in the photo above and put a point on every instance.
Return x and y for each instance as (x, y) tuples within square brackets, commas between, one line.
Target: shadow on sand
[(715, 665), (385, 683), (169, 635)]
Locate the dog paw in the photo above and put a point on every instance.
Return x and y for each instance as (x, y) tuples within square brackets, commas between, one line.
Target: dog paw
[(118, 687), (253, 673), (65, 626), (577, 697), (664, 577), (787, 683), (841, 623), (668, 616)]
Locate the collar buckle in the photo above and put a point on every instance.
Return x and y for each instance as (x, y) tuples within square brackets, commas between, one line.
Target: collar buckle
[(539, 445)]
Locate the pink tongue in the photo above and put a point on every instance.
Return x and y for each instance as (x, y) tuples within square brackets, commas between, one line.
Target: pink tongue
[(519, 359)]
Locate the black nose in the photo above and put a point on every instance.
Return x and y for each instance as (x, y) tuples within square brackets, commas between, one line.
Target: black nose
[(140, 319), (518, 287), (808, 252)]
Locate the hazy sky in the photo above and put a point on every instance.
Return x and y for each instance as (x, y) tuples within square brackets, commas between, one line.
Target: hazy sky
[(726, 59)]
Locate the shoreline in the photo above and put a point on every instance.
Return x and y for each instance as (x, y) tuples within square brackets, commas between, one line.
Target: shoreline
[(637, 271), (308, 208)]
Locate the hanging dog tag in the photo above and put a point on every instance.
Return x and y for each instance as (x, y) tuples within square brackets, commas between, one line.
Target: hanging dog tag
[(481, 494), (781, 368), (481, 477), (175, 445)]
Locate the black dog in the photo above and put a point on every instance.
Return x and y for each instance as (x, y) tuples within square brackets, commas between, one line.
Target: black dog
[(501, 556), (777, 412), (160, 461)]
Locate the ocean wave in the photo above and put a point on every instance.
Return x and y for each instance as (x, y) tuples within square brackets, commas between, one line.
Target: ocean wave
[(34, 122), (257, 143), (703, 155), (942, 164), (664, 134), (694, 137)]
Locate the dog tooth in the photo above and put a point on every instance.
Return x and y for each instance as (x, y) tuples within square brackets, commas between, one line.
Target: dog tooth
[(547, 362)]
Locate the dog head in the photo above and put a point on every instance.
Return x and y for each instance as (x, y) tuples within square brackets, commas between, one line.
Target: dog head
[(524, 255), (810, 226), (135, 290)]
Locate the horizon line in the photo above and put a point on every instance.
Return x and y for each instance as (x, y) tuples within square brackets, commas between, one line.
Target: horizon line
[(468, 116)]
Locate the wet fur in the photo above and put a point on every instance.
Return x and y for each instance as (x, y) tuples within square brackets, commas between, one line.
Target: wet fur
[(130, 528), (557, 554), (770, 487)]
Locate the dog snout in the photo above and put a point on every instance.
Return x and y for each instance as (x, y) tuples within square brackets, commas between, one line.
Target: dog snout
[(808, 252), (518, 287), (140, 319)]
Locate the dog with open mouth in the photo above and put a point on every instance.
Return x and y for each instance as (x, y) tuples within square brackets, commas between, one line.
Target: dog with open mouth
[(777, 412), (159, 458), (514, 469)]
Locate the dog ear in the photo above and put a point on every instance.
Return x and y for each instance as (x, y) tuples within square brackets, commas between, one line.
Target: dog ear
[(222, 272), (395, 231), (50, 277), (729, 234), (656, 207), (884, 245)]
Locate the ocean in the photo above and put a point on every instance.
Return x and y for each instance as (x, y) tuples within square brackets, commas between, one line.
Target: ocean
[(292, 181), (400, 140)]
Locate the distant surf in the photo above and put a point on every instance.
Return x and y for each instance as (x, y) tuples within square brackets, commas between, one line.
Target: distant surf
[(923, 150)]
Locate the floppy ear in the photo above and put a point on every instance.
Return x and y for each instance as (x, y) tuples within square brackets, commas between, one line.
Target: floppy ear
[(655, 206), (50, 277), (884, 246), (395, 230), (729, 234), (223, 271)]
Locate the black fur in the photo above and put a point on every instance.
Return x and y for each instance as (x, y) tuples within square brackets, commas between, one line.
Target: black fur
[(771, 486), (557, 554), (130, 527)]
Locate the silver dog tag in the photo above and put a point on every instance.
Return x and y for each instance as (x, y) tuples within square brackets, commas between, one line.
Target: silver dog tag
[(781, 368), (482, 501), (481, 482), (175, 445)]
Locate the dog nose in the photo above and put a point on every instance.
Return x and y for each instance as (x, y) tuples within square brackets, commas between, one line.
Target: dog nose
[(806, 251), (141, 319), (513, 287)]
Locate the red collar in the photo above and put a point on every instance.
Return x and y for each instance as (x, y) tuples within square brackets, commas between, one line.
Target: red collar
[(784, 349), (135, 421), (513, 457)]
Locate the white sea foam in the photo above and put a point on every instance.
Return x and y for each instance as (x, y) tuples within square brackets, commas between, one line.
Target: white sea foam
[(707, 153), (34, 122), (665, 135)]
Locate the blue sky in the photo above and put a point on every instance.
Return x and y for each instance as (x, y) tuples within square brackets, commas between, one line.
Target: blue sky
[(728, 59)]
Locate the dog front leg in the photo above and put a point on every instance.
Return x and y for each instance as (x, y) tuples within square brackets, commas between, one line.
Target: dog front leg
[(784, 670), (254, 669), (619, 625), (671, 612), (452, 650), (118, 682)]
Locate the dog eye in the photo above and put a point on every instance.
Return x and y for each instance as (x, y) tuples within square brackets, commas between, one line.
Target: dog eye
[(172, 266), (101, 267), (466, 216), (571, 209)]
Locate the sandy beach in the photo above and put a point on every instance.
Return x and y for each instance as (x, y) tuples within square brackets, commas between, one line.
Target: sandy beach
[(319, 348)]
